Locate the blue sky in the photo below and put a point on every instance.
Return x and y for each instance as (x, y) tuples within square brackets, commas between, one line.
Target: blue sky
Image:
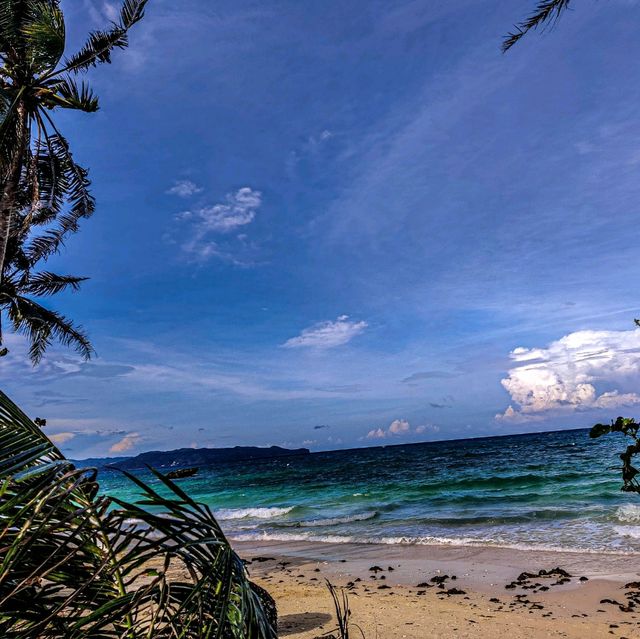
[(342, 224)]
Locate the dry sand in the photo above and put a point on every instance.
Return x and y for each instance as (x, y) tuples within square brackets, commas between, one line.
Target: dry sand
[(390, 604)]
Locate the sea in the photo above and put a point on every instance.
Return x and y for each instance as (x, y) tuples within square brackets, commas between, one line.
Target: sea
[(547, 491)]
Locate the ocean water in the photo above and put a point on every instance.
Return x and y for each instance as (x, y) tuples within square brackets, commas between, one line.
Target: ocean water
[(557, 491)]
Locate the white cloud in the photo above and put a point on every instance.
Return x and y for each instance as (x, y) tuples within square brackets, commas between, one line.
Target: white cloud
[(583, 370), (184, 188), (208, 223), (327, 334), (427, 428), (238, 210), (400, 427), (514, 416), (61, 438), (126, 443)]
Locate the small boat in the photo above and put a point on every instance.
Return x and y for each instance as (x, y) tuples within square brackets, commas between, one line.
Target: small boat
[(181, 473)]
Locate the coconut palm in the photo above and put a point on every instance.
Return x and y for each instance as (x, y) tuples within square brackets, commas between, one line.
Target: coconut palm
[(73, 565), (44, 191), (546, 13)]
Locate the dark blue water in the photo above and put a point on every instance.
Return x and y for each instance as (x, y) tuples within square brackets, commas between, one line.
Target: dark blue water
[(551, 490)]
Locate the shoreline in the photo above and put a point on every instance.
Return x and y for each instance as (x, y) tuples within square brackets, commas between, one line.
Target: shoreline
[(437, 543), (405, 597), (479, 564)]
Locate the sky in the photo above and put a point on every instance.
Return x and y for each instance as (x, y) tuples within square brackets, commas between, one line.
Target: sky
[(338, 224)]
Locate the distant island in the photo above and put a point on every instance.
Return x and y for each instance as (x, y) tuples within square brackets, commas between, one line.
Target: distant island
[(192, 457)]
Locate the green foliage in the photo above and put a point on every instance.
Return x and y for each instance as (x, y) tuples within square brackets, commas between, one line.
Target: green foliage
[(45, 192), (73, 565), (629, 428)]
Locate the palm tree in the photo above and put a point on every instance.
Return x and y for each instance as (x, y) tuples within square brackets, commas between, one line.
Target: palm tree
[(547, 12), (44, 191), (72, 565)]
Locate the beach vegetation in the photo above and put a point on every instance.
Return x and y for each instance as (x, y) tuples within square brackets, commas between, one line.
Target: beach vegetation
[(342, 609), (78, 564), (629, 428)]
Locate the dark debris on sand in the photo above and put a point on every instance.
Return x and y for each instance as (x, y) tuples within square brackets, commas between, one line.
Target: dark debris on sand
[(632, 596), (532, 580)]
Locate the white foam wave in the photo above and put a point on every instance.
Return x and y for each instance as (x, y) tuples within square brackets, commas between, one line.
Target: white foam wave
[(628, 513), (133, 521), (334, 521), (628, 531), (252, 513), (419, 541)]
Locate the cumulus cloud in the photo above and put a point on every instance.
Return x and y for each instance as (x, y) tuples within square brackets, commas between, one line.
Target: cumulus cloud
[(184, 188), (61, 438), (427, 428), (400, 427), (327, 334), (583, 370), (208, 223), (126, 443)]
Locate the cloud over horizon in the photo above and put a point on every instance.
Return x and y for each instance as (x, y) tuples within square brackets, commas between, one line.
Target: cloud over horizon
[(583, 370), (399, 427), (126, 443)]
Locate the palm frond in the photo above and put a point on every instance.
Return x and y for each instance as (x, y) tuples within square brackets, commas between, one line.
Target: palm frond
[(101, 44), (72, 565), (44, 35), (547, 12), (61, 176), (42, 325), (68, 94), (47, 283)]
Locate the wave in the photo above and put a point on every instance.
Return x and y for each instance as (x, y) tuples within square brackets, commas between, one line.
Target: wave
[(628, 513), (497, 519), (421, 541), (628, 531), (133, 521), (226, 514), (330, 521)]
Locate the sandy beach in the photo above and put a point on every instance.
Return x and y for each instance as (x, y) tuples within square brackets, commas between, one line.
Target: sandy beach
[(449, 591)]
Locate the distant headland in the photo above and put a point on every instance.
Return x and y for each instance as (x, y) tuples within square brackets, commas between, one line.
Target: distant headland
[(192, 457)]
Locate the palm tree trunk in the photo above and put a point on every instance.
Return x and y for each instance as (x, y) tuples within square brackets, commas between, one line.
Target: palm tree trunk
[(11, 182)]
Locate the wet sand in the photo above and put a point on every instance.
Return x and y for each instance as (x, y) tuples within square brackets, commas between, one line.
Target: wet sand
[(409, 597)]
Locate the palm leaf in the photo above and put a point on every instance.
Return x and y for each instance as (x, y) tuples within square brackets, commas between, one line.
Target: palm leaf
[(41, 325), (44, 35), (47, 283), (101, 44), (547, 12), (68, 94), (72, 565)]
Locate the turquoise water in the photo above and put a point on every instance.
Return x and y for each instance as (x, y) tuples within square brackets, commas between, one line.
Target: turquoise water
[(552, 490)]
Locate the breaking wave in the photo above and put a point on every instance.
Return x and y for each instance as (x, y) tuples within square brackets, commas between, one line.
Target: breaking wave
[(226, 514)]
